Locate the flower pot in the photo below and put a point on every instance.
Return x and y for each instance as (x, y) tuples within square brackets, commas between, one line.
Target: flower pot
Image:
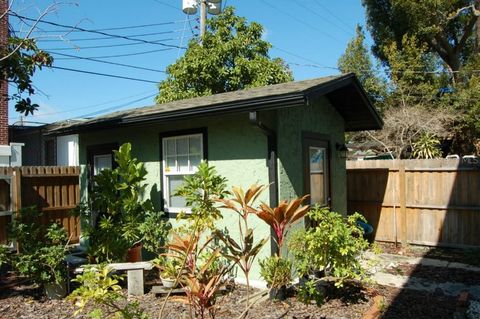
[(168, 283), (56, 290), (278, 294), (134, 254)]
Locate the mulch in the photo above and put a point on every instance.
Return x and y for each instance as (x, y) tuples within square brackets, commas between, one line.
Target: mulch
[(26, 301)]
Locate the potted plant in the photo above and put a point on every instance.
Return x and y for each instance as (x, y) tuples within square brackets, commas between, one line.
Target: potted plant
[(119, 219), (169, 269), (42, 252), (277, 272)]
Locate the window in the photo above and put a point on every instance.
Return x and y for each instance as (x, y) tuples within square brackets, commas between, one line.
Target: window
[(318, 175), (316, 168), (101, 162), (100, 157), (181, 157)]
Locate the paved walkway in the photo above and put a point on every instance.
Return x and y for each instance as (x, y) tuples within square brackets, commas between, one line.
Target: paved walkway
[(377, 263)]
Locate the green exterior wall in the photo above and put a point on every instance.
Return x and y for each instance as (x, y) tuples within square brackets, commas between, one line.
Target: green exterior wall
[(320, 118), (238, 151), (235, 148)]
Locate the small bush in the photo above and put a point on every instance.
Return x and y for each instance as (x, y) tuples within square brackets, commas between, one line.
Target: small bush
[(333, 246), (276, 271)]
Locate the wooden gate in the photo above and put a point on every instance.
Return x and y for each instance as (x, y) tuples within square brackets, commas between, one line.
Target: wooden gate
[(54, 190)]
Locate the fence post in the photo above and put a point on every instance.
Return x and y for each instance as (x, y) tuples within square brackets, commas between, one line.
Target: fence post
[(403, 201), (17, 188)]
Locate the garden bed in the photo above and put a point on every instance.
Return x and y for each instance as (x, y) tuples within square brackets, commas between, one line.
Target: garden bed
[(26, 302)]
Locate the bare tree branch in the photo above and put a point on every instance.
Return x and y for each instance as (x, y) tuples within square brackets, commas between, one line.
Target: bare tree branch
[(51, 8)]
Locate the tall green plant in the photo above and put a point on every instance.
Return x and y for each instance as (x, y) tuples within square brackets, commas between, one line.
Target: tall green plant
[(201, 273), (201, 191), (119, 216)]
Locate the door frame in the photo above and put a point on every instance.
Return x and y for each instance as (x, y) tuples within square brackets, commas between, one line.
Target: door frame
[(319, 140)]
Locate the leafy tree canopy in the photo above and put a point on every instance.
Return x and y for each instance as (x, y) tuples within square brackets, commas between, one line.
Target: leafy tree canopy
[(358, 60), (232, 56), (19, 62), (446, 26)]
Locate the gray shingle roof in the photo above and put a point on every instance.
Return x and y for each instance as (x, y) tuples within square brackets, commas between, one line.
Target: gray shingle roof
[(233, 101)]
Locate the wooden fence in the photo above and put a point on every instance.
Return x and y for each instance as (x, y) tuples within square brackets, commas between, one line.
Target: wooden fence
[(54, 190), (429, 202)]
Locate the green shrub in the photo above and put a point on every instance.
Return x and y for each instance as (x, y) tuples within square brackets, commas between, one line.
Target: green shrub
[(42, 248), (332, 246), (101, 288), (309, 291), (276, 271), (118, 216), (4, 255)]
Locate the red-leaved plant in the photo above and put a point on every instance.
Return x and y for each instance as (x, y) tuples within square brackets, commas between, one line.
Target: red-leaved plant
[(283, 216)]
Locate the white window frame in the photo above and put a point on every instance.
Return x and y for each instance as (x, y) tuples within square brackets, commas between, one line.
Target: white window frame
[(96, 169), (176, 171)]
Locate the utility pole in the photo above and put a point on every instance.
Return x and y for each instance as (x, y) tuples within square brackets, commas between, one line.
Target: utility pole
[(206, 6), (203, 17)]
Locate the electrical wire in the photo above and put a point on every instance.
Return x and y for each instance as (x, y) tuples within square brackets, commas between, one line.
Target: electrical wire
[(117, 107), (332, 13), (121, 28), (106, 62), (103, 74), (300, 21), (347, 31), (93, 31), (77, 108), (118, 45), (107, 38), (121, 55)]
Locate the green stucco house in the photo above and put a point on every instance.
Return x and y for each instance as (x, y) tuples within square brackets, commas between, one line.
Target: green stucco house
[(289, 136)]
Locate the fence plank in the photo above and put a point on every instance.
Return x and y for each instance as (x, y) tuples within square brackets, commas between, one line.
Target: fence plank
[(54, 190), (436, 202)]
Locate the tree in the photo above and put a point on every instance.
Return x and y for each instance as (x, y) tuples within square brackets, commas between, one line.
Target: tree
[(411, 107), (232, 56), (23, 58), (357, 59), (446, 26), (20, 57)]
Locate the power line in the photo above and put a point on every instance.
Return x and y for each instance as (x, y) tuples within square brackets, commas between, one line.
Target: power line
[(121, 55), (103, 74), (117, 107), (300, 20), (107, 38), (116, 28), (119, 45), (95, 32), (303, 58), (332, 13), (107, 62), (75, 108), (323, 17)]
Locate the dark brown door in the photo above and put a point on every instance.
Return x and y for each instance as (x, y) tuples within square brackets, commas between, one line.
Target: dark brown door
[(317, 170)]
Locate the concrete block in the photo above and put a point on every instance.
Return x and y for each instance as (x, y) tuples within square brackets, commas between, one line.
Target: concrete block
[(135, 282)]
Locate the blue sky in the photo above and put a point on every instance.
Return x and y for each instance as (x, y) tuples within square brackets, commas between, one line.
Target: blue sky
[(310, 35)]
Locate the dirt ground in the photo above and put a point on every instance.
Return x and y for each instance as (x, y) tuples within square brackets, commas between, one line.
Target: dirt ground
[(24, 301)]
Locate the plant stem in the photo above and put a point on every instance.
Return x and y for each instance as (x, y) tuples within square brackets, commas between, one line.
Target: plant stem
[(184, 262)]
